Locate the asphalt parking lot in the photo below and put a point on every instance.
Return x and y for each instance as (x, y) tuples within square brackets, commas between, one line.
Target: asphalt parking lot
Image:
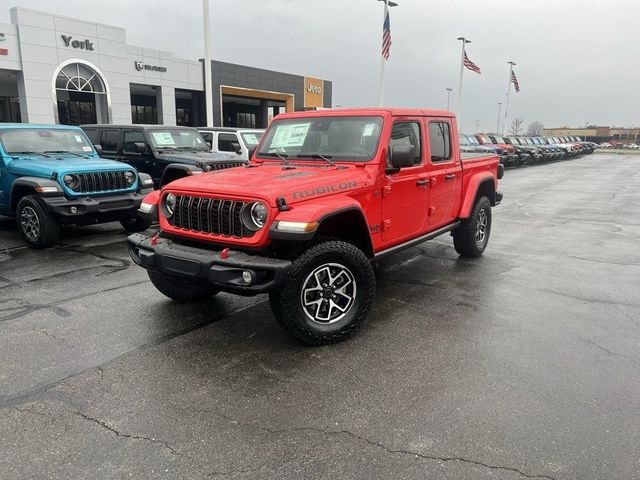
[(522, 364)]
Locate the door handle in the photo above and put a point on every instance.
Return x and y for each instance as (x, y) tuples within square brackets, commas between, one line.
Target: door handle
[(449, 177), (422, 183)]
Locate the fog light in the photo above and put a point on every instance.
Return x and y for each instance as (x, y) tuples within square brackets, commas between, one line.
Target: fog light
[(247, 276), (73, 209)]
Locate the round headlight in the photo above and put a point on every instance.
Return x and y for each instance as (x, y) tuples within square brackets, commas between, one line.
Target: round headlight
[(259, 214), (207, 167), (130, 177), (70, 181), (170, 203)]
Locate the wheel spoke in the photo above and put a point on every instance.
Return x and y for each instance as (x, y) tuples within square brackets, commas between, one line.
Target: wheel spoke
[(328, 293)]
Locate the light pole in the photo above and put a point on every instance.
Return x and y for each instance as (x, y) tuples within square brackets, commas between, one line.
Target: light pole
[(477, 126), (387, 4), (208, 87), (448, 96), (506, 108), (464, 42), (498, 124)]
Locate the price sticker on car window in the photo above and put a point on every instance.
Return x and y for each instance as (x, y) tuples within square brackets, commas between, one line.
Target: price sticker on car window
[(290, 135), (79, 138), (163, 138), (87, 149)]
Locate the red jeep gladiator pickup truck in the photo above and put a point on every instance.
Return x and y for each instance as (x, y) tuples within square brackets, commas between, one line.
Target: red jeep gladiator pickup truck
[(326, 193)]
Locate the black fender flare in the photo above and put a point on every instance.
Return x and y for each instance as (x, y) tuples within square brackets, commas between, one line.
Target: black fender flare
[(174, 171), (43, 187)]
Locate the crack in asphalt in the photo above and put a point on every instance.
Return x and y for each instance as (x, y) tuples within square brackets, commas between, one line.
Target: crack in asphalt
[(27, 307), (384, 447), (40, 391), (111, 429), (588, 300)]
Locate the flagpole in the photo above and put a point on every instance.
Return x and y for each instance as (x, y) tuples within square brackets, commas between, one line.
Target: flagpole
[(459, 110), (506, 108), (382, 59)]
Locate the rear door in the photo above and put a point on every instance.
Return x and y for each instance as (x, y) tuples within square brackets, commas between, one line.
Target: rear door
[(445, 173), (405, 193)]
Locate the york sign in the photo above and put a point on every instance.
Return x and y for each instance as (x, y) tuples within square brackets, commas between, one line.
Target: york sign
[(81, 44)]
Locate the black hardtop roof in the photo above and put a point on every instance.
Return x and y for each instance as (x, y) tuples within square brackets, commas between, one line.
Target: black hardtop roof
[(141, 126)]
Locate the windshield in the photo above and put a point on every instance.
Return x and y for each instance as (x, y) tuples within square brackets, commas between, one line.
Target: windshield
[(340, 138), (177, 139), (45, 140), (251, 139), (485, 139), (473, 140), (498, 140), (463, 140)]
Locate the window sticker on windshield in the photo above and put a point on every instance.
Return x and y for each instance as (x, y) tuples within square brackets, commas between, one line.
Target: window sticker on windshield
[(290, 135), (86, 149), (368, 129), (163, 138), (251, 138), (79, 138)]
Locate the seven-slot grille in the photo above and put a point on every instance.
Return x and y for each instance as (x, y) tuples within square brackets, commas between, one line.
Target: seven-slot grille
[(100, 182), (210, 215)]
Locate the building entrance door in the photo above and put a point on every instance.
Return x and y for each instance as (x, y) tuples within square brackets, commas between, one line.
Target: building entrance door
[(79, 109), (81, 94)]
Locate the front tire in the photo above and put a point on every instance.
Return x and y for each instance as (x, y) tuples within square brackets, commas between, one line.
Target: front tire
[(470, 239), (37, 227), (327, 294), (135, 224), (181, 291)]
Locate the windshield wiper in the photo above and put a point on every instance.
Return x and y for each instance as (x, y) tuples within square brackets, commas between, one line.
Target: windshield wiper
[(25, 152), (63, 151), (326, 158), (192, 148), (281, 156)]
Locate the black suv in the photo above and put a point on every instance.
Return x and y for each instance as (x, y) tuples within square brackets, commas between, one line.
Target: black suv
[(164, 152)]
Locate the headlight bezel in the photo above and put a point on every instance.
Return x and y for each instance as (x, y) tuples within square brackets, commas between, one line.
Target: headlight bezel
[(73, 184), (251, 220), (169, 205), (130, 177)]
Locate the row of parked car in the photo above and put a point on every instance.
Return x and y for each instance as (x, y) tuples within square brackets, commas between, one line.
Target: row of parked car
[(52, 175), (517, 151)]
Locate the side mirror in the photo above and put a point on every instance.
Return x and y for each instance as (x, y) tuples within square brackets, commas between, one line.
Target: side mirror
[(98, 149), (139, 147), (252, 150), (236, 147), (403, 156)]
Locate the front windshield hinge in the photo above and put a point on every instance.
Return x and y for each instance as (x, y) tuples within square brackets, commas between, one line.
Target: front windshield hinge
[(54, 176), (282, 204)]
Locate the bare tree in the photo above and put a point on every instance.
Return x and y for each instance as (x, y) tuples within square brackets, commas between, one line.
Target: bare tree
[(517, 126), (535, 129)]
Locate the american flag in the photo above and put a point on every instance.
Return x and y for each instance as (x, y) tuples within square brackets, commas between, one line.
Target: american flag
[(470, 65), (514, 80), (386, 35)]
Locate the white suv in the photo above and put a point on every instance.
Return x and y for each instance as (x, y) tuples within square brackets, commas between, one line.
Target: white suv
[(224, 139)]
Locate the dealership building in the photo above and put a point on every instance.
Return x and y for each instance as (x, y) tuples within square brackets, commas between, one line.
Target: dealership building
[(56, 69)]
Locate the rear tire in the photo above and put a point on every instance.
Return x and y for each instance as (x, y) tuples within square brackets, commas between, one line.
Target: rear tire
[(38, 228), (181, 291), (327, 294), (470, 239)]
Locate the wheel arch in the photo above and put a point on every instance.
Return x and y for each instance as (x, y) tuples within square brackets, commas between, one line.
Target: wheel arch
[(479, 186), (29, 186), (349, 225), (174, 171)]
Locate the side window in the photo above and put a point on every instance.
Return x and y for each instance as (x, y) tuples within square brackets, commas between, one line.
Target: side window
[(407, 133), (110, 139), (439, 141), (93, 135), (225, 140), (130, 138)]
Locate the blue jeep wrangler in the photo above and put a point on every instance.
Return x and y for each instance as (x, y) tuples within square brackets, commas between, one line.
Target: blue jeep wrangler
[(52, 175)]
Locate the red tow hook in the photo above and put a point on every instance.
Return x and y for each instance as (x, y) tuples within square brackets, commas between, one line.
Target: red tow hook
[(154, 239), (224, 254)]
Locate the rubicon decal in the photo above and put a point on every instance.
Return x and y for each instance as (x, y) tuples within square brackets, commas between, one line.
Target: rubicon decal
[(321, 190)]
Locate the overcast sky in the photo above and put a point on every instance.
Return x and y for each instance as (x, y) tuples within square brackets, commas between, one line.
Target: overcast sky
[(578, 61)]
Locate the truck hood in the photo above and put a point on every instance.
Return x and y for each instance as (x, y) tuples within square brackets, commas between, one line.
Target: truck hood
[(45, 167), (193, 158), (269, 180)]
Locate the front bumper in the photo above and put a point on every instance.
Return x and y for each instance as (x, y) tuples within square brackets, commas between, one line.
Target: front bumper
[(91, 209), (224, 272)]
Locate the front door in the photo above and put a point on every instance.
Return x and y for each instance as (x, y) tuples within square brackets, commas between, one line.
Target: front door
[(405, 193), (445, 174), (141, 161)]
